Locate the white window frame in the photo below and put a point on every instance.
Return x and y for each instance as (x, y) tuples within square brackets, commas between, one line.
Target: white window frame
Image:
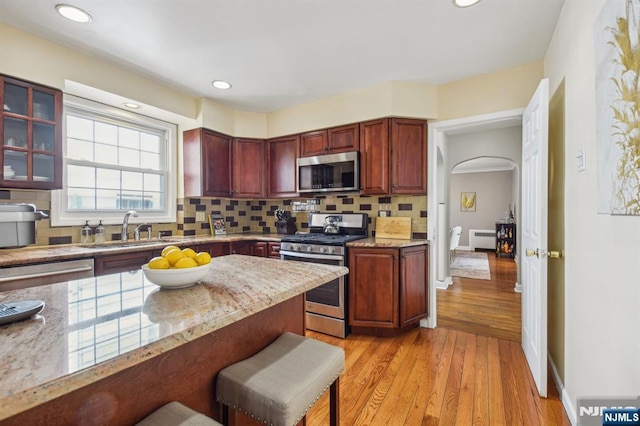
[(61, 216)]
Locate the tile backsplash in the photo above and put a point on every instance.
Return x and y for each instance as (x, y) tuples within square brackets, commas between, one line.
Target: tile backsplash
[(240, 215)]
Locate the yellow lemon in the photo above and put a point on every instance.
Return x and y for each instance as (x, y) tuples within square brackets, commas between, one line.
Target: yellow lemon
[(173, 256), (203, 258), (185, 262), (189, 252), (167, 249), (159, 263)]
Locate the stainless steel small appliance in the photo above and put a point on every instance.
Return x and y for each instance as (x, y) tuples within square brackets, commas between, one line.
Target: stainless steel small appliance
[(18, 224), (329, 173), (326, 306)]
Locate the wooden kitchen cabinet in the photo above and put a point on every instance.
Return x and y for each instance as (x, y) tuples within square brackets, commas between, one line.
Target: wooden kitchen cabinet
[(387, 289), (282, 170), (374, 157), (122, 262), (260, 249), (274, 250), (248, 168), (217, 165), (330, 141), (242, 247), (393, 156), (207, 163), (214, 249), (408, 156), (31, 134)]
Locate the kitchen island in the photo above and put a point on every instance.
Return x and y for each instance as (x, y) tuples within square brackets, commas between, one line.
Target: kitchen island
[(111, 349)]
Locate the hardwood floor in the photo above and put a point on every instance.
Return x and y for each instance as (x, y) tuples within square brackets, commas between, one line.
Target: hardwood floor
[(470, 372), (436, 377), (488, 308)]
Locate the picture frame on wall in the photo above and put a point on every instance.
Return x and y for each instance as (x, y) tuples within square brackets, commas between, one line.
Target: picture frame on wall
[(468, 202)]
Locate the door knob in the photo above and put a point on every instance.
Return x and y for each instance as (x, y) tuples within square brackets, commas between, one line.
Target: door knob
[(530, 252), (554, 254)]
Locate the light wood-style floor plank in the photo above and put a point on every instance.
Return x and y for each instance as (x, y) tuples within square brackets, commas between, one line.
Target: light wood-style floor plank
[(470, 372)]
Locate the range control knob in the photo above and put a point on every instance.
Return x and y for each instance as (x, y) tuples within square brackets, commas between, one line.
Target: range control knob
[(309, 248), (293, 247)]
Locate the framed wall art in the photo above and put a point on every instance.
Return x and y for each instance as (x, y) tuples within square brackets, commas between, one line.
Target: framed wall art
[(468, 202)]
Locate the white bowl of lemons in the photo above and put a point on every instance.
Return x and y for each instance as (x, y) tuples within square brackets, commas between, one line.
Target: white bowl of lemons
[(177, 268)]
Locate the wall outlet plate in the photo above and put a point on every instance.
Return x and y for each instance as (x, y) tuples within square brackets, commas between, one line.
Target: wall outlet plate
[(199, 216)]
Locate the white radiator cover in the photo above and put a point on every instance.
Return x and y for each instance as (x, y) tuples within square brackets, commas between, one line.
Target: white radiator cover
[(482, 238)]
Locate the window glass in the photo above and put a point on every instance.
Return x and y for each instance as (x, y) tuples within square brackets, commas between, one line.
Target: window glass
[(115, 161)]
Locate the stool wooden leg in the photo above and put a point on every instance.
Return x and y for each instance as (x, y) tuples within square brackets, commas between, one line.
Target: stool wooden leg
[(334, 403)]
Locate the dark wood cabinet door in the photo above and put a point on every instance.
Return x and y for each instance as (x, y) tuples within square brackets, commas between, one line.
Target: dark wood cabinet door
[(207, 163), (373, 287), (281, 166), (30, 135), (274, 250), (248, 168), (260, 249), (214, 249), (123, 262), (374, 157), (413, 284), (344, 138), (314, 143), (242, 247), (408, 156)]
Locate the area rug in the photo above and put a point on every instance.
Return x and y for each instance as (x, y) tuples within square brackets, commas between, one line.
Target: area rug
[(471, 264)]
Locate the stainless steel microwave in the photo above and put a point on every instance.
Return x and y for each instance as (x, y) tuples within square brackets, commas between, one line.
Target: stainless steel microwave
[(329, 173)]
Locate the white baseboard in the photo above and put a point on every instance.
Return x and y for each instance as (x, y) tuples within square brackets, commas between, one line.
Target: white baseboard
[(564, 395), (518, 288)]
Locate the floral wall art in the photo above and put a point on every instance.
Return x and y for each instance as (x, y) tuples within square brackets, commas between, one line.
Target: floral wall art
[(617, 51)]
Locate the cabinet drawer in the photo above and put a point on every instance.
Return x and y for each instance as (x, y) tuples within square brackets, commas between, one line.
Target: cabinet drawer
[(111, 264)]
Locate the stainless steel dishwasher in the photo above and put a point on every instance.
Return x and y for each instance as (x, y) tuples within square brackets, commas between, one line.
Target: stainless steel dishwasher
[(16, 277)]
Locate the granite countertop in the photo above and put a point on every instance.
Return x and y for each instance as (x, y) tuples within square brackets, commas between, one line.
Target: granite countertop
[(95, 327), (40, 254), (386, 242)]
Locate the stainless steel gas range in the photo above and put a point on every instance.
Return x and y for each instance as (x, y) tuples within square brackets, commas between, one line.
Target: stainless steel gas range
[(326, 306)]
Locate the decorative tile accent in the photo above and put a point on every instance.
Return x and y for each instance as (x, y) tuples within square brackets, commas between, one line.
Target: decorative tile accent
[(59, 240), (240, 215)]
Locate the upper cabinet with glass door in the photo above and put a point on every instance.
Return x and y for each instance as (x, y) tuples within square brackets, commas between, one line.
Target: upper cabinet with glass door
[(31, 135)]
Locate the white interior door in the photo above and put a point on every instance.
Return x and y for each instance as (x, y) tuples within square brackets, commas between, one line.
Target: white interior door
[(533, 228)]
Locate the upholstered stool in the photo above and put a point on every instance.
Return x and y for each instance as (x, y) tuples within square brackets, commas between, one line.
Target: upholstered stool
[(279, 384), (176, 414)]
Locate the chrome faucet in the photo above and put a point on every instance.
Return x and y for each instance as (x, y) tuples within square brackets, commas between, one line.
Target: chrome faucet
[(125, 224), (142, 227)]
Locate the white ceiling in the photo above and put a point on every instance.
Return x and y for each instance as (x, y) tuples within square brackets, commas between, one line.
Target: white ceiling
[(281, 53)]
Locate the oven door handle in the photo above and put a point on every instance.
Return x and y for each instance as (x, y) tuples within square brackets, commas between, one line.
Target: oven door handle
[(310, 255)]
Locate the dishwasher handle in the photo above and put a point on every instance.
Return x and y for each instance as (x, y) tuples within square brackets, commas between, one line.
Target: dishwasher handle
[(37, 274), (47, 274)]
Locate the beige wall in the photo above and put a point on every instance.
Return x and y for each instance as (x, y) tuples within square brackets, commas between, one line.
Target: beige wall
[(393, 98), (499, 91), (602, 290)]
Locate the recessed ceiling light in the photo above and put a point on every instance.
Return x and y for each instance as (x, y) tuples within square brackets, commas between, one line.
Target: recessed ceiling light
[(465, 3), (220, 84), (131, 105), (73, 13)]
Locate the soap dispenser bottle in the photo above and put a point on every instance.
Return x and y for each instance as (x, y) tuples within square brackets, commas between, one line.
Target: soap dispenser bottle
[(99, 236), (85, 235)]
